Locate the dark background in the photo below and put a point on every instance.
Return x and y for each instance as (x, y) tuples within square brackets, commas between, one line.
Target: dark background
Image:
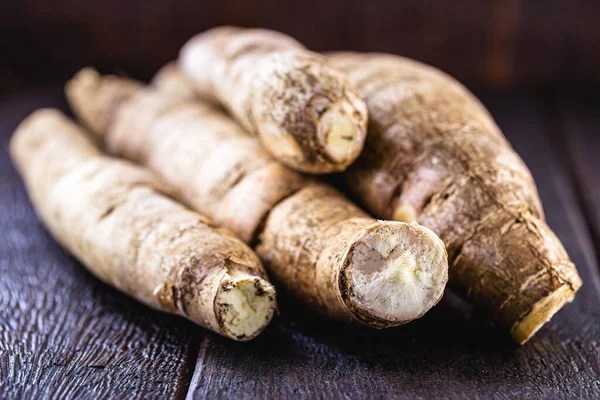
[(494, 43), (534, 64)]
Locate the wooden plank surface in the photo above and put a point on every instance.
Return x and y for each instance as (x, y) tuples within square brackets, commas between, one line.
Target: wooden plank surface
[(486, 43), (63, 334)]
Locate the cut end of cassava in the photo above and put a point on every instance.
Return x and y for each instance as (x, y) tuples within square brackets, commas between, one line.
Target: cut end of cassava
[(541, 313), (245, 306), (341, 138), (393, 273)]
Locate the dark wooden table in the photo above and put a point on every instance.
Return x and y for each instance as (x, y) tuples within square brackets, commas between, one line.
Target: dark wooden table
[(63, 334)]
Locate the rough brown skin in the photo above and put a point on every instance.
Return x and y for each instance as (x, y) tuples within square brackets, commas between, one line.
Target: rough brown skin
[(305, 113), (117, 220), (324, 229), (310, 237), (434, 154)]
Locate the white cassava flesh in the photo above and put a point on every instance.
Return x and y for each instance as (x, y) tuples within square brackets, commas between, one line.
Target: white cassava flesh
[(246, 302), (396, 276)]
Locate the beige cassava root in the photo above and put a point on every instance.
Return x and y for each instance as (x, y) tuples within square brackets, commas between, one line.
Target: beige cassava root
[(435, 155), (315, 242), (118, 221), (305, 113), (172, 79)]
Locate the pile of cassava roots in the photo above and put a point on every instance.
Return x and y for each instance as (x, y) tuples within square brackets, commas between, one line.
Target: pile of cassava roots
[(191, 193)]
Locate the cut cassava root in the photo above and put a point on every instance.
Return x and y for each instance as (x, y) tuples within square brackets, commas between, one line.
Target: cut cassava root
[(321, 247), (115, 218), (434, 154), (385, 273), (305, 113)]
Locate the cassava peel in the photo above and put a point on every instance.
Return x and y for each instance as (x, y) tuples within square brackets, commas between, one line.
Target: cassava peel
[(305, 113), (435, 155), (118, 221)]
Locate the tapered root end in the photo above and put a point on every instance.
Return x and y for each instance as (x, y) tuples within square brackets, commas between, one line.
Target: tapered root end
[(80, 92), (245, 306), (394, 273), (95, 98), (170, 79), (541, 313)]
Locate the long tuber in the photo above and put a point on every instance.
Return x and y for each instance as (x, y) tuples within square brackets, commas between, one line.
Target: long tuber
[(434, 154), (305, 113), (115, 218), (322, 248)]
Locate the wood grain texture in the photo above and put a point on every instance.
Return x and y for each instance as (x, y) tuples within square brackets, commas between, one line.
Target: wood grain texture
[(491, 43), (63, 334), (449, 353)]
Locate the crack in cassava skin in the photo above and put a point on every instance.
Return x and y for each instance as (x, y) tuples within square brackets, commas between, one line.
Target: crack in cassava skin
[(117, 220), (281, 93), (219, 170), (434, 153)]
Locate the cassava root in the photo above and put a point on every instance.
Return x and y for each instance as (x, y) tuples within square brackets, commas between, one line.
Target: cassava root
[(118, 221), (171, 78), (305, 113), (435, 155), (327, 252)]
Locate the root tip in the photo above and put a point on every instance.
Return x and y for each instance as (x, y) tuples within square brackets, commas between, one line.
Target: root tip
[(541, 313)]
